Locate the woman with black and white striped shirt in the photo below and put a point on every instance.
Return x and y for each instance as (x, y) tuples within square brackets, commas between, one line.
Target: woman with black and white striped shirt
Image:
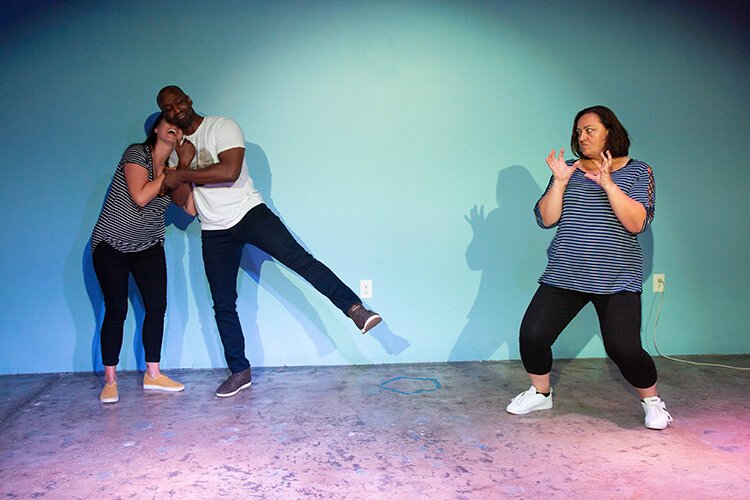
[(128, 238), (598, 203)]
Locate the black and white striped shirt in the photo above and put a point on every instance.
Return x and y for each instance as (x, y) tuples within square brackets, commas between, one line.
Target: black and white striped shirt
[(592, 252), (122, 223)]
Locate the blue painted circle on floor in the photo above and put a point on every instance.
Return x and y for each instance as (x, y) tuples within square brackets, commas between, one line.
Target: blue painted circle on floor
[(432, 383)]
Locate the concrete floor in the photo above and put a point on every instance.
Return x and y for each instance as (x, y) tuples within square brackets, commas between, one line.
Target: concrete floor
[(387, 431)]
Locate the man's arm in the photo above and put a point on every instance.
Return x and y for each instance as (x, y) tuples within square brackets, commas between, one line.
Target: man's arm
[(226, 170)]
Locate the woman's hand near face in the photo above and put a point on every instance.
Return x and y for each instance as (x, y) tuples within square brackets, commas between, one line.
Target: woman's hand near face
[(630, 213), (604, 176), (550, 205), (560, 170), (173, 177)]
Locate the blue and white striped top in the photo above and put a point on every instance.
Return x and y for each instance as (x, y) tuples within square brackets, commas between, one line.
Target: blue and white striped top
[(592, 252)]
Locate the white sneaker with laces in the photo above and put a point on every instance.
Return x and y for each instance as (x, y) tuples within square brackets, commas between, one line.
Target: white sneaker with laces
[(529, 401), (657, 416)]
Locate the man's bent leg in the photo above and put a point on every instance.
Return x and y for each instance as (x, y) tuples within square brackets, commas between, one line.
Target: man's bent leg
[(221, 258)]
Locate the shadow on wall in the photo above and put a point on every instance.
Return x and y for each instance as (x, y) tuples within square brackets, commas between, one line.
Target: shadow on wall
[(87, 351), (646, 240), (274, 280), (509, 248), (286, 291), (183, 241), (87, 342)]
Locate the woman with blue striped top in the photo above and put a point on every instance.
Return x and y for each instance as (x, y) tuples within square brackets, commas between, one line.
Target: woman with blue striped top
[(598, 204), (128, 239)]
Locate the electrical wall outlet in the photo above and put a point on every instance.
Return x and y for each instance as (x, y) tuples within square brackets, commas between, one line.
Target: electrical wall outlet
[(365, 289), (659, 282)]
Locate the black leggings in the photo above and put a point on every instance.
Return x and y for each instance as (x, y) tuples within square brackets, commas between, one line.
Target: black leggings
[(149, 269), (552, 309)]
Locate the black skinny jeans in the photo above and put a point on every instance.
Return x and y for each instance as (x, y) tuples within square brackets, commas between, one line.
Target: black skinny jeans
[(552, 309), (149, 270)]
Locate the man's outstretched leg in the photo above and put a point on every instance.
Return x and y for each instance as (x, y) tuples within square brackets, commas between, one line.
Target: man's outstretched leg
[(265, 230)]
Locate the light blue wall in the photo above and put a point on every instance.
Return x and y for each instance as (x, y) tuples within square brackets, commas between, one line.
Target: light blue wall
[(373, 128)]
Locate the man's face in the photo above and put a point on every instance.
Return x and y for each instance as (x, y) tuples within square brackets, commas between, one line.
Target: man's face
[(177, 108)]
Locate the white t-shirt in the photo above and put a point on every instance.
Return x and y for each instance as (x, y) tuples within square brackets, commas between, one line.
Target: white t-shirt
[(220, 206)]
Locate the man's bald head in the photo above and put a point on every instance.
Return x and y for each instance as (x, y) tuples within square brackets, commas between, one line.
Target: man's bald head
[(169, 89)]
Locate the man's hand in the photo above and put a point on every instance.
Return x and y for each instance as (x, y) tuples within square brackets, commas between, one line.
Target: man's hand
[(172, 179), (185, 153)]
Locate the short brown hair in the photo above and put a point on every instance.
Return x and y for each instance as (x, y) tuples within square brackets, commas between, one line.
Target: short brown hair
[(618, 141)]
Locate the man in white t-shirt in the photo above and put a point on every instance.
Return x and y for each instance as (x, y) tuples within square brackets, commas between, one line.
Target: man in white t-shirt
[(232, 214)]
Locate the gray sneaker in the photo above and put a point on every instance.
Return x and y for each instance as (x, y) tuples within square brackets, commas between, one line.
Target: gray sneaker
[(363, 318), (234, 384)]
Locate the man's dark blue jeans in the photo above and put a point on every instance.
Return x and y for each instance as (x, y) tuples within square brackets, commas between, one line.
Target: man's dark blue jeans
[(222, 251)]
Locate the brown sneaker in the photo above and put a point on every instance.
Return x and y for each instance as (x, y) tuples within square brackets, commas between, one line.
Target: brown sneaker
[(234, 384), (363, 318), (109, 393), (162, 383)]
